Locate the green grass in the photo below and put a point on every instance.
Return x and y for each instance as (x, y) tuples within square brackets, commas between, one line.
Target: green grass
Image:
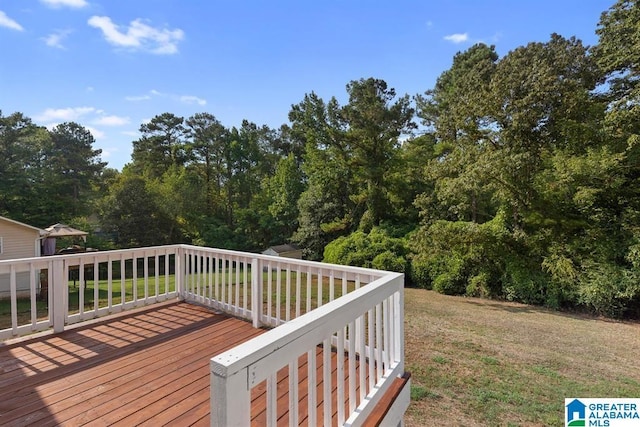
[(489, 363)]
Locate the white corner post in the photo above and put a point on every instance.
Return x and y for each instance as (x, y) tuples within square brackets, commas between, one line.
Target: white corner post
[(180, 271), (230, 397), (58, 288), (256, 292)]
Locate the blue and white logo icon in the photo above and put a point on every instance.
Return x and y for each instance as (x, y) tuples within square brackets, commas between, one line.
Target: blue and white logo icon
[(602, 412), (576, 413)]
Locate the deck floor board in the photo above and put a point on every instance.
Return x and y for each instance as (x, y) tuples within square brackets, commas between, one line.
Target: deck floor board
[(148, 367)]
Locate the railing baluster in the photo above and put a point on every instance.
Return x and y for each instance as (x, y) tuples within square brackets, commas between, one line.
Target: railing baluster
[(166, 273), (385, 330), (278, 294), (216, 280), (32, 293), (156, 267), (110, 284), (269, 293), (96, 287), (134, 280), (353, 403), (362, 368), (145, 271), (332, 286), (298, 290), (320, 286), (326, 382), (237, 303), (309, 278), (293, 393), (230, 283), (378, 344), (223, 281), (312, 386), (245, 286), (288, 296), (272, 399), (13, 287), (81, 287), (123, 278), (340, 376), (370, 354)]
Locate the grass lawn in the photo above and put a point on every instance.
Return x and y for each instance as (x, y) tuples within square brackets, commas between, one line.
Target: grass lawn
[(482, 362)]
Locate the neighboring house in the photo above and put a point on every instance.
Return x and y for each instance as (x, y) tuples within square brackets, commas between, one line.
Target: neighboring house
[(285, 251), (18, 240)]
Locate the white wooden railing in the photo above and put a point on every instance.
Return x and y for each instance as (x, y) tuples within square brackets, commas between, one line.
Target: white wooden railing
[(55, 291), (320, 314)]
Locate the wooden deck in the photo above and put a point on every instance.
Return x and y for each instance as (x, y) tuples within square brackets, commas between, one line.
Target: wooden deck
[(149, 367)]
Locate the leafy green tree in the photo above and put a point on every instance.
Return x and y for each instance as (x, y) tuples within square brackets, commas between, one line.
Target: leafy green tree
[(375, 120), (283, 191), (208, 142), (73, 167), (618, 55), (458, 114), (22, 144), (133, 214), (161, 146), (326, 208)]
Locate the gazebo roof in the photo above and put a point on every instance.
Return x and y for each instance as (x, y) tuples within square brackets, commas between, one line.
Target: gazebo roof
[(63, 230)]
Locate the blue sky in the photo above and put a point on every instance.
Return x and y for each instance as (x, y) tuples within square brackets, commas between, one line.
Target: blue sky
[(110, 65)]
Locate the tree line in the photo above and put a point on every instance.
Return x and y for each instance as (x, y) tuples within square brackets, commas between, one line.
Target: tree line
[(514, 177)]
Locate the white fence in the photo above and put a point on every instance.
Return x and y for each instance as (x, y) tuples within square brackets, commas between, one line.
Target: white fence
[(346, 339)]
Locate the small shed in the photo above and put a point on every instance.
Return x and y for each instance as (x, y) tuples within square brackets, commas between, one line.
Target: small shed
[(285, 251)]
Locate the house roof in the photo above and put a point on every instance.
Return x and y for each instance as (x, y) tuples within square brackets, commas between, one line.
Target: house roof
[(39, 230), (283, 248)]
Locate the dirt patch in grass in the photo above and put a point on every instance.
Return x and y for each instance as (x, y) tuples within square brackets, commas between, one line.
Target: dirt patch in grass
[(483, 362)]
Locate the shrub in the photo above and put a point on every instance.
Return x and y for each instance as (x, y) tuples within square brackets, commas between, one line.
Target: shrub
[(373, 250), (610, 290)]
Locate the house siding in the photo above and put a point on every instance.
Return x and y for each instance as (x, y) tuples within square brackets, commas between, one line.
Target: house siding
[(17, 241)]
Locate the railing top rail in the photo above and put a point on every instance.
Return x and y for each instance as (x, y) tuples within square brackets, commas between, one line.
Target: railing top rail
[(90, 254), (328, 317)]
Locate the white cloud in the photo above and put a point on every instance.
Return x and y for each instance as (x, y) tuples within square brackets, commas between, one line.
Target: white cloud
[(457, 38), (131, 133), (9, 23), (97, 134), (190, 99), (137, 98), (64, 114), (139, 36), (185, 99), (75, 4), (111, 121), (55, 39)]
